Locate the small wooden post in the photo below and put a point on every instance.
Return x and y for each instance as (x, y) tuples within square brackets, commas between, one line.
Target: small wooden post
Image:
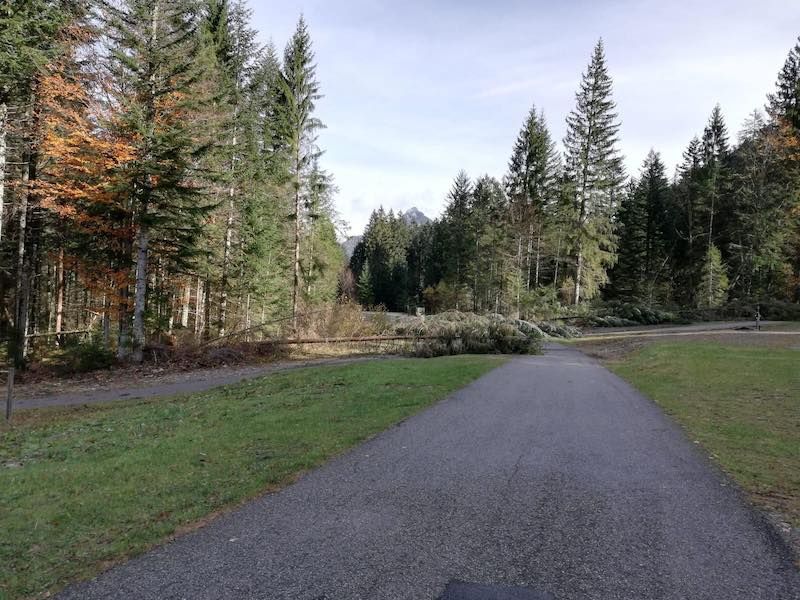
[(10, 393)]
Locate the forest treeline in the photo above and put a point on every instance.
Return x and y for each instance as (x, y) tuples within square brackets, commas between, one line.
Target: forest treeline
[(159, 173), (161, 180), (566, 227)]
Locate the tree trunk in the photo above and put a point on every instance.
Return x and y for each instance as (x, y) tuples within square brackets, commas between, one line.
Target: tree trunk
[(296, 269), (538, 259), (519, 274), (106, 324), (187, 298), (142, 234), (22, 292), (223, 296), (59, 296), (529, 258), (123, 339), (310, 259), (578, 273), (207, 308), (140, 292), (198, 308), (3, 121), (247, 317)]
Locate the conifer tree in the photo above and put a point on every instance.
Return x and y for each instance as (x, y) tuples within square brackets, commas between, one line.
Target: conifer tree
[(301, 91), (784, 103), (761, 230), (713, 289), (715, 170), (642, 257), (457, 231), (153, 64), (594, 173), (532, 187), (689, 225), (494, 244)]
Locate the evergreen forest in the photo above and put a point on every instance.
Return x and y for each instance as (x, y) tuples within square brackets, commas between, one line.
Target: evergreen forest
[(162, 182)]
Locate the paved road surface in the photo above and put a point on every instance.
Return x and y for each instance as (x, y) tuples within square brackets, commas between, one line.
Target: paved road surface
[(548, 473)]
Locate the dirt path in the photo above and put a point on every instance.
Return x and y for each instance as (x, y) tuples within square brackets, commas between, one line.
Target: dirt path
[(155, 384)]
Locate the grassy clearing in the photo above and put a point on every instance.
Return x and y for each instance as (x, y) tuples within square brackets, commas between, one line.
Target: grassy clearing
[(83, 488), (742, 403)]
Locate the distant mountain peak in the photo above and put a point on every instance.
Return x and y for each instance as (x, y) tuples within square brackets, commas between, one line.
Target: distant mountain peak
[(349, 245), (414, 216)]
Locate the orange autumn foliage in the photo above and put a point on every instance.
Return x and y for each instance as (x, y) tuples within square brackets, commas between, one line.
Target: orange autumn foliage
[(79, 165)]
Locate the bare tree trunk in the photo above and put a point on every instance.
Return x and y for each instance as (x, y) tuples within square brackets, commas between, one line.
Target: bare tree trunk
[(538, 259), (59, 296), (198, 308), (140, 292), (22, 292), (247, 317), (529, 258), (223, 297), (578, 273), (123, 339), (106, 324), (519, 274), (171, 309), (475, 277), (310, 259), (187, 298), (207, 308), (296, 269), (223, 301), (3, 120)]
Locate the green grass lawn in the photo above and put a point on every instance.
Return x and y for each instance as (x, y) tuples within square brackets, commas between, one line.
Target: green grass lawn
[(742, 403), (83, 488)]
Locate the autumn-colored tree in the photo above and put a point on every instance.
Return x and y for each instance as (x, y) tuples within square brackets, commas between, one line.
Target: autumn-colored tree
[(76, 185)]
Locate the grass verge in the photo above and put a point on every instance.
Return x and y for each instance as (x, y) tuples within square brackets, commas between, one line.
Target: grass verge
[(81, 489), (741, 403)]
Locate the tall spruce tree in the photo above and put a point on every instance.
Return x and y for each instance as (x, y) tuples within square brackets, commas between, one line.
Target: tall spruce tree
[(594, 174), (689, 227), (715, 182), (152, 62), (457, 231), (784, 103), (301, 91), (532, 180)]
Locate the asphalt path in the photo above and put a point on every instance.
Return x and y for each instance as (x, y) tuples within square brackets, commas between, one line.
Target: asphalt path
[(549, 477)]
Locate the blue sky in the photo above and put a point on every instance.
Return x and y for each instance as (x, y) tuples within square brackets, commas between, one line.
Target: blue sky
[(415, 91)]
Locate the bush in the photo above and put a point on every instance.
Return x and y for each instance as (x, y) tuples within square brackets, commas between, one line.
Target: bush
[(468, 333), (623, 314), (85, 356)]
